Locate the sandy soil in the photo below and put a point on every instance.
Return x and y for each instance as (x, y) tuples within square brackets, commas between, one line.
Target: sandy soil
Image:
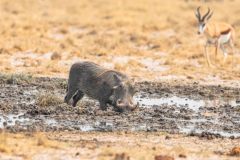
[(113, 146), (154, 38)]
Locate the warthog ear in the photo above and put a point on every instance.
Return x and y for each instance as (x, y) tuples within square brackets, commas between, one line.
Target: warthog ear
[(117, 78)]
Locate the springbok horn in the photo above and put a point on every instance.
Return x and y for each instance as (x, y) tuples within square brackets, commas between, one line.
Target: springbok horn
[(197, 13), (206, 14), (210, 15)]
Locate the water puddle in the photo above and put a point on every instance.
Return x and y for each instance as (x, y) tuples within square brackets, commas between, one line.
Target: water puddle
[(198, 122), (86, 128), (184, 126), (178, 101), (13, 119), (183, 102)]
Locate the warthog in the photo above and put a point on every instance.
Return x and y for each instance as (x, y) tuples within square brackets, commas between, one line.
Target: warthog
[(106, 86)]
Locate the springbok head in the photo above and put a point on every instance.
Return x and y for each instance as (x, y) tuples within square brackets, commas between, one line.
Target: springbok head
[(202, 20)]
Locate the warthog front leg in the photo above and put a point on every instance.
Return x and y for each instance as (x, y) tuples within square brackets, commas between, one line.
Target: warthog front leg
[(103, 105), (78, 96)]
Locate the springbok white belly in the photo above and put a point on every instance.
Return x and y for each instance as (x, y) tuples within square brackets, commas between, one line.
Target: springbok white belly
[(224, 38)]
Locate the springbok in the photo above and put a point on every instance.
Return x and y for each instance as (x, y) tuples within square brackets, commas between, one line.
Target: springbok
[(217, 34)]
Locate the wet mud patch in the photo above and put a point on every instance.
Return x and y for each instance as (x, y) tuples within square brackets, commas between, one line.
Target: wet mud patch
[(36, 104)]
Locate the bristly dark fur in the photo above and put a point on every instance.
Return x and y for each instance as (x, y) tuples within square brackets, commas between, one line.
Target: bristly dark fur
[(96, 82)]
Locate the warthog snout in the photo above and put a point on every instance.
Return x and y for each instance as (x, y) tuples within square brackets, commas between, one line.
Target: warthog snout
[(126, 105)]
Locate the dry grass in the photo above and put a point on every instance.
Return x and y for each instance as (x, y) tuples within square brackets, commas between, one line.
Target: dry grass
[(42, 140), (48, 99), (26, 146), (106, 146), (46, 37), (3, 143)]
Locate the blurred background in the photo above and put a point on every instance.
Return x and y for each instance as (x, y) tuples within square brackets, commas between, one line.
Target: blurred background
[(147, 39)]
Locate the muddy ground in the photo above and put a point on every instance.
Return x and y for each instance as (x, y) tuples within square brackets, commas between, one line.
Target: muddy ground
[(182, 120), (36, 104)]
